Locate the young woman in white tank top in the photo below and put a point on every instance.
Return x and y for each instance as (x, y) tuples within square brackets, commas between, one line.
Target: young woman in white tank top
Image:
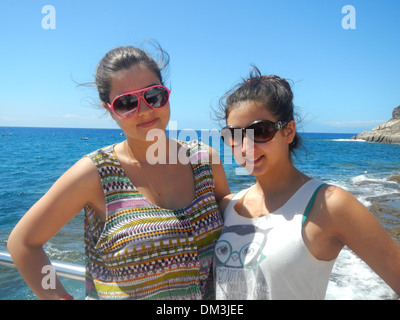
[(282, 235)]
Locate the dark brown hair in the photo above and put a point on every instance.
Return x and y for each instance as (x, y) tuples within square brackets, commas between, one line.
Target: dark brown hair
[(123, 58), (273, 92)]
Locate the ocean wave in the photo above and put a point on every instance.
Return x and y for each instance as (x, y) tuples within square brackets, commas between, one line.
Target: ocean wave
[(353, 279), (368, 188), (58, 254), (366, 180), (348, 140)]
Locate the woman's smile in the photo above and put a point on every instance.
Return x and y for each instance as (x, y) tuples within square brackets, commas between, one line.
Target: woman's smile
[(148, 123), (254, 160)]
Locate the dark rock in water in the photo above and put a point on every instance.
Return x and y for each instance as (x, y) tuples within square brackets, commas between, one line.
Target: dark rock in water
[(387, 132), (395, 179), (388, 213)]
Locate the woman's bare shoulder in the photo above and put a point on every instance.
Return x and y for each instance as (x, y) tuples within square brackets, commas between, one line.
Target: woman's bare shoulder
[(224, 202)]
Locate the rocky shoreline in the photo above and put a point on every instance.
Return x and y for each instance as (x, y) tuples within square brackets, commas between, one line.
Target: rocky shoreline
[(387, 132), (387, 212)]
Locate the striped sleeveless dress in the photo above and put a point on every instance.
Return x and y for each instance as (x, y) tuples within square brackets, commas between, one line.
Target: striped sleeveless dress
[(143, 251)]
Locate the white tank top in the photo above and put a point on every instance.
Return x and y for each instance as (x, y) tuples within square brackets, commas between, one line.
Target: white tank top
[(266, 257)]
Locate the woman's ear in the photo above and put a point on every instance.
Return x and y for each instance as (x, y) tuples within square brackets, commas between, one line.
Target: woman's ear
[(290, 131), (104, 105)]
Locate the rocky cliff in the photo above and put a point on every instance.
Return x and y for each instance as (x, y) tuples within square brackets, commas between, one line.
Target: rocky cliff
[(387, 132)]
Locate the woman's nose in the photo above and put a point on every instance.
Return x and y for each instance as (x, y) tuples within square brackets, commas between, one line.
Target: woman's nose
[(143, 107), (247, 146)]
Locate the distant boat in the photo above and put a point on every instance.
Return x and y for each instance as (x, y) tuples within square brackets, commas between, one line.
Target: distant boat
[(84, 138)]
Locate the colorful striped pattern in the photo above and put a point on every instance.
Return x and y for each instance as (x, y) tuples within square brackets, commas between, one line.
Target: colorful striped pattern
[(143, 251)]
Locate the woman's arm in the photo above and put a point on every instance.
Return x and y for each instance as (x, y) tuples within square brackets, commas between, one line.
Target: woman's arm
[(222, 192), (358, 229), (220, 182), (71, 192)]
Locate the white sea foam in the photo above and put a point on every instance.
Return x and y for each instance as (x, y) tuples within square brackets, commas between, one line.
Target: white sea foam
[(349, 140), (365, 180), (352, 279), (367, 188)]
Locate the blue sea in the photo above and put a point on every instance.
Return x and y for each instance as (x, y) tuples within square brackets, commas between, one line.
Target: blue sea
[(32, 159)]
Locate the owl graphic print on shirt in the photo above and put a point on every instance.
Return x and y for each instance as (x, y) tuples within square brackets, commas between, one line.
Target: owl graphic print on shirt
[(238, 263)]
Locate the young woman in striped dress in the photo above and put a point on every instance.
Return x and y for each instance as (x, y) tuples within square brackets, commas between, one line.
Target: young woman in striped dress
[(150, 224)]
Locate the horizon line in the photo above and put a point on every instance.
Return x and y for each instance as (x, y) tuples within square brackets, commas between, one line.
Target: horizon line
[(104, 128)]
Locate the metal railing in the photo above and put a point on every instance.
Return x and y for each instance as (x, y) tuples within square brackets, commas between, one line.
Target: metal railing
[(63, 269)]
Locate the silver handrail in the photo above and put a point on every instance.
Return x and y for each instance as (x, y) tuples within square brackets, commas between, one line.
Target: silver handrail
[(63, 269)]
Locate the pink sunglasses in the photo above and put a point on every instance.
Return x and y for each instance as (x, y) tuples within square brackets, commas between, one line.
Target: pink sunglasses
[(126, 104)]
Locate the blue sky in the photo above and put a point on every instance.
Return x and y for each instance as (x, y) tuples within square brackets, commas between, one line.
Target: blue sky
[(345, 80)]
